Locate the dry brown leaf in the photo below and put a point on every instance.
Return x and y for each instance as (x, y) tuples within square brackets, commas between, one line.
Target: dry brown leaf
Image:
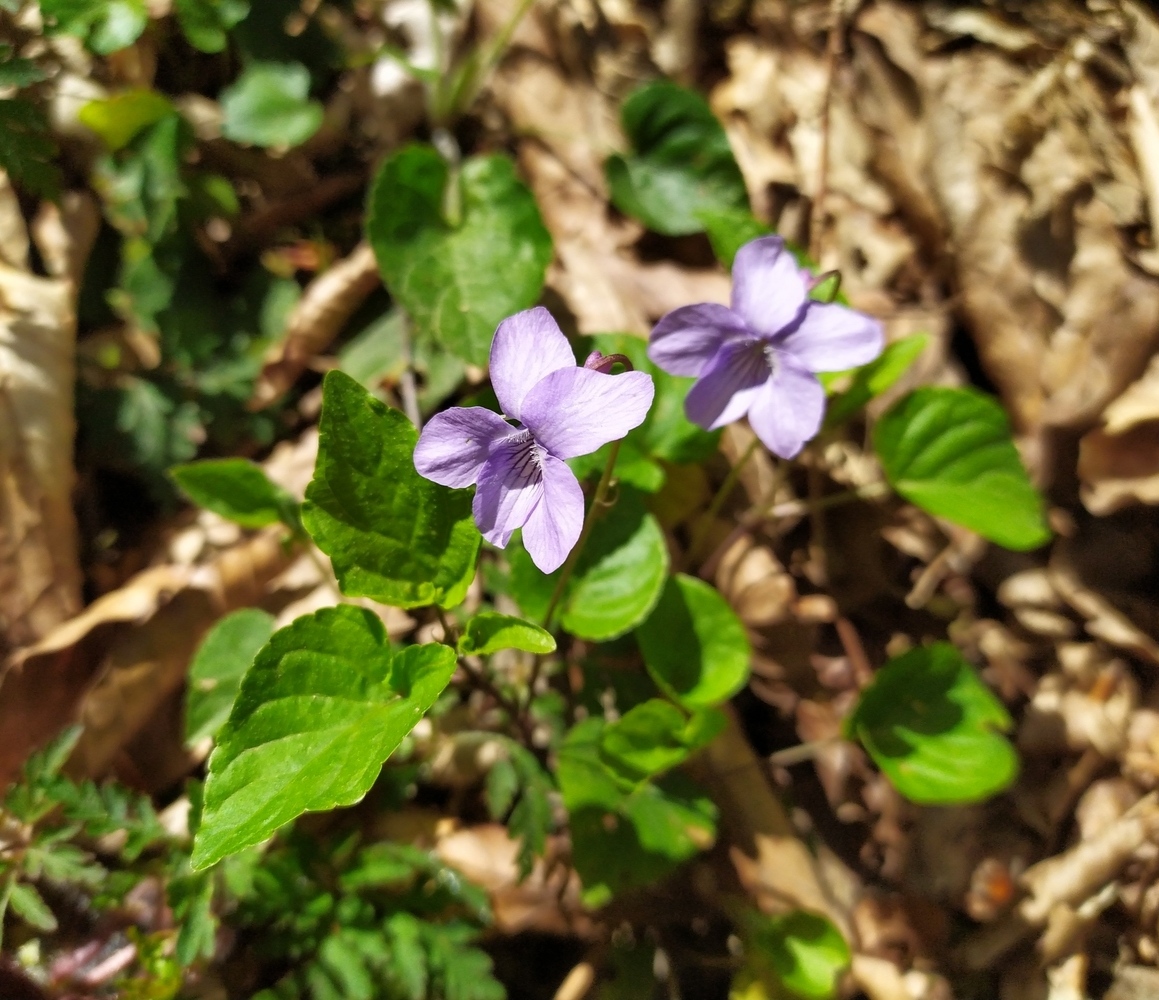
[(547, 901), (324, 309), (1119, 460), (772, 862), (40, 576), (1103, 620), (131, 647), (1078, 873)]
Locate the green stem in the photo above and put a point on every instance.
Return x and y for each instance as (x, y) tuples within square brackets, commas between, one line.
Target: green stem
[(476, 76), (701, 533), (599, 505)]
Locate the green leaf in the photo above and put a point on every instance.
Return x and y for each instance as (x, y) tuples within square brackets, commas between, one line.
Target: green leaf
[(694, 646), (489, 631), (236, 489), (218, 666), (517, 779), (681, 164), (935, 729), (119, 118), (191, 897), (730, 229), (17, 72), (27, 150), (207, 22), (656, 736), (949, 451), (106, 25), (626, 833), (871, 380), (27, 904), (269, 105), (324, 704), (617, 579), (460, 253), (798, 950), (392, 535)]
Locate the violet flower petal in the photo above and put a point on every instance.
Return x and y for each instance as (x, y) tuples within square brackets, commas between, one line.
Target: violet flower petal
[(455, 443), (574, 411), (832, 338), (554, 526), (788, 408), (510, 486), (728, 387), (527, 347), (686, 340), (768, 288)]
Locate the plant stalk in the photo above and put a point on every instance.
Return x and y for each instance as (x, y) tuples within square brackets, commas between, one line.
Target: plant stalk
[(596, 510), (700, 535)]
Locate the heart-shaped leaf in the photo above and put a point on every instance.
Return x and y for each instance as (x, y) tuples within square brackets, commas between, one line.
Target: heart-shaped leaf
[(460, 253), (949, 451), (269, 105), (656, 736), (617, 579), (324, 704), (935, 729), (680, 165), (626, 833), (489, 631), (694, 646), (236, 489), (798, 950), (392, 535), (219, 664)]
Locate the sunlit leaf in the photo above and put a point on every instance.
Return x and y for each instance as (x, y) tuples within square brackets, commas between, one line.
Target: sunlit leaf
[(119, 118), (489, 631), (800, 951), (694, 646), (323, 705), (391, 534), (236, 489), (617, 579), (269, 105), (680, 165), (460, 253), (106, 25), (935, 729), (949, 451), (219, 664)]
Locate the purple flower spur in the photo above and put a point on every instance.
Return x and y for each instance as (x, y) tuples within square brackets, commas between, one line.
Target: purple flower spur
[(560, 411), (759, 357)]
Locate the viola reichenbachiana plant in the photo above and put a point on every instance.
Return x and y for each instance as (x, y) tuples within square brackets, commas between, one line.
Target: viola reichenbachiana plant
[(321, 703), (528, 517)]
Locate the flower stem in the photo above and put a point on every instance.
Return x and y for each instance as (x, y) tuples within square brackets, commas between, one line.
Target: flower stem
[(599, 505), (700, 535)]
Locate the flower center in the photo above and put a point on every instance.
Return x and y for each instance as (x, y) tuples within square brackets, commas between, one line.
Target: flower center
[(526, 457)]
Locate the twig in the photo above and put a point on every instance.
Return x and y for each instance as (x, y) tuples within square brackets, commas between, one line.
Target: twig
[(480, 680), (832, 54), (408, 389), (701, 534)]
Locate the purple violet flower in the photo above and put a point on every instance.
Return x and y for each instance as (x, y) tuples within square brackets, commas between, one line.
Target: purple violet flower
[(759, 358), (560, 411)]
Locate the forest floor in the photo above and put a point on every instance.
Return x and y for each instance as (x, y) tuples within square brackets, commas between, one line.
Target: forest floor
[(983, 174)]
